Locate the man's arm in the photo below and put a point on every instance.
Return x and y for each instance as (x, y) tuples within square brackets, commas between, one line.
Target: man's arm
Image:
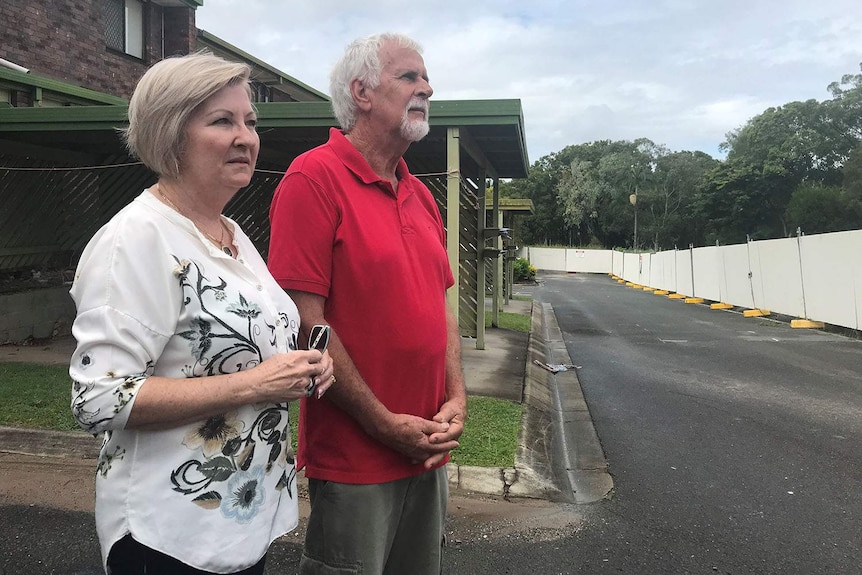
[(454, 411), (406, 434)]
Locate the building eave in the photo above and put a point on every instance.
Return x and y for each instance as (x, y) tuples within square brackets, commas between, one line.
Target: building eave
[(261, 71)]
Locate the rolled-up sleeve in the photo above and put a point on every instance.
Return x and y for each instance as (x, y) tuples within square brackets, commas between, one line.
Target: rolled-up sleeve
[(127, 301), (115, 355)]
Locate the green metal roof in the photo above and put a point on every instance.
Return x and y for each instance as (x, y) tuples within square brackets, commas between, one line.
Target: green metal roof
[(63, 91), (261, 71), (495, 128), (517, 205)]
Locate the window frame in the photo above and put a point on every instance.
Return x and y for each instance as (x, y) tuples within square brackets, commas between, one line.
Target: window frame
[(132, 28)]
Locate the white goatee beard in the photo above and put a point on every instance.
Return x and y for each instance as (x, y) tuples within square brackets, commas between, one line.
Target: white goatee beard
[(414, 130)]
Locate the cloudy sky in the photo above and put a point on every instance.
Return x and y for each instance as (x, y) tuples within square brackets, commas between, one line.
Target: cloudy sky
[(682, 73)]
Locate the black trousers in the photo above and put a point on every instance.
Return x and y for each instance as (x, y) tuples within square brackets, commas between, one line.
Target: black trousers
[(128, 557)]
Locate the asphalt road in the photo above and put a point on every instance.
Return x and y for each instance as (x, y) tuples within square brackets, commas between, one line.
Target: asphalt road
[(735, 443)]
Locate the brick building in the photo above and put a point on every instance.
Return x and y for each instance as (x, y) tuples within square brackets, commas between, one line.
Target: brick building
[(106, 45)]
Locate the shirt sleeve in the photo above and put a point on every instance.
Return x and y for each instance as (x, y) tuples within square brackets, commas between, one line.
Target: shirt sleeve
[(127, 309), (303, 221)]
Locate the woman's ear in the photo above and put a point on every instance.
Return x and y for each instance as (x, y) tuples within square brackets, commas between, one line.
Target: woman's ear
[(360, 94)]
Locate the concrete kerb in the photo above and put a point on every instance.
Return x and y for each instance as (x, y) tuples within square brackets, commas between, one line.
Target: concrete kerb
[(577, 457), (559, 455)]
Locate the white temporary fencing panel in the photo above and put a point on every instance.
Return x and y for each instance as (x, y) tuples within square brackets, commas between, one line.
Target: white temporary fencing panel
[(832, 277), (816, 277), (588, 261), (707, 273), (738, 288), (780, 275), (684, 281), (551, 259)]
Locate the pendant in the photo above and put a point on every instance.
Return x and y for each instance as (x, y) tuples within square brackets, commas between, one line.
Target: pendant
[(227, 250)]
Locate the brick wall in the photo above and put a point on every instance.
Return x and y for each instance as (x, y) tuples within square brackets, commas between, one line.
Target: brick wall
[(65, 40)]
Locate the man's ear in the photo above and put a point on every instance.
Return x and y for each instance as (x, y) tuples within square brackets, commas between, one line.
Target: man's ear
[(360, 94)]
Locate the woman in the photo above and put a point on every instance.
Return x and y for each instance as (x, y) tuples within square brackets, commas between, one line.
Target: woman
[(186, 347)]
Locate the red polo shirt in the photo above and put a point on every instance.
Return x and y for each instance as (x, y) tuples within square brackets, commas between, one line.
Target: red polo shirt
[(379, 259)]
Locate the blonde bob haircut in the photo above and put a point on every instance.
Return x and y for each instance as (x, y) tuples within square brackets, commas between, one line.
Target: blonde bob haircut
[(163, 102)]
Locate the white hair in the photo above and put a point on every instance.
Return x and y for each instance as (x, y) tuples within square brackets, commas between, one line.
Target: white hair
[(361, 61)]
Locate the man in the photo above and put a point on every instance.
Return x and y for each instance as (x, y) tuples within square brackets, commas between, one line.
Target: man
[(358, 242)]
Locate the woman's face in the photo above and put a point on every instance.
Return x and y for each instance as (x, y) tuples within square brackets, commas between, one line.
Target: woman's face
[(221, 144)]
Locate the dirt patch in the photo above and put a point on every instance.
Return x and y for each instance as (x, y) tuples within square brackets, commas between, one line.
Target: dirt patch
[(473, 518), (55, 351)]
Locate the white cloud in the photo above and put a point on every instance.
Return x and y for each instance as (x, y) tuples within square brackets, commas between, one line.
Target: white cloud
[(680, 72)]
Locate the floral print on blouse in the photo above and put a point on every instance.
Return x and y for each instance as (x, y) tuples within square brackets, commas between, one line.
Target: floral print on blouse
[(155, 298)]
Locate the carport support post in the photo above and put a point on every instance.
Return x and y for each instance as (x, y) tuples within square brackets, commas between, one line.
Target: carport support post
[(497, 288), (481, 262), (453, 215)]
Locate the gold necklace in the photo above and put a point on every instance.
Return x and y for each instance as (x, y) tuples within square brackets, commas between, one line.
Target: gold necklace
[(226, 248)]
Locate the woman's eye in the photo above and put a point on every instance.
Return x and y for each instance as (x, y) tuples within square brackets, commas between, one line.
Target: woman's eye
[(251, 124)]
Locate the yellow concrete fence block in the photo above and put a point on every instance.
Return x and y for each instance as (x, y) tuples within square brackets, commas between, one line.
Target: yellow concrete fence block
[(660, 292), (720, 306), (694, 300), (676, 296), (755, 312), (807, 324)]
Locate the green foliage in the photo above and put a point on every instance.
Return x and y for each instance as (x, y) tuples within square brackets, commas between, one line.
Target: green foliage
[(581, 193), (852, 184), (523, 271), (37, 396), (816, 208), (490, 437)]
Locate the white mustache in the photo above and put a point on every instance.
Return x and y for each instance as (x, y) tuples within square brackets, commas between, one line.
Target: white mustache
[(418, 104)]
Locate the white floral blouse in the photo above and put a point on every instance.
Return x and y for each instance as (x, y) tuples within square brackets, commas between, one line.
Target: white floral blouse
[(154, 297)]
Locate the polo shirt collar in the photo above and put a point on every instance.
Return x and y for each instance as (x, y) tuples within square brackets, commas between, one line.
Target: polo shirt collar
[(356, 162)]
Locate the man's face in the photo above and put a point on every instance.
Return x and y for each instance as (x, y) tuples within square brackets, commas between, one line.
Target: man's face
[(401, 101)]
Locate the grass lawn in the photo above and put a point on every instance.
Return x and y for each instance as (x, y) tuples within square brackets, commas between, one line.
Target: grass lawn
[(513, 321), (39, 396), (36, 396), (490, 436)]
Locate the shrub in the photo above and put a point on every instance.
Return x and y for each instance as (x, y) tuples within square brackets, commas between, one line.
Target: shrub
[(523, 271)]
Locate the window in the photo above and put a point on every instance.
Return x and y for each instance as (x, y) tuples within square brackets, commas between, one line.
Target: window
[(124, 26)]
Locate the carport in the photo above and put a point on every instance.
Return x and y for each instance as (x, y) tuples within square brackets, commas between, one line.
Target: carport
[(64, 173)]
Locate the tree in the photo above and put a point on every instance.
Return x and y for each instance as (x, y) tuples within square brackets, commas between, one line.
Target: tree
[(545, 226), (675, 182), (818, 208), (787, 160), (727, 201), (846, 105), (578, 192), (852, 187)]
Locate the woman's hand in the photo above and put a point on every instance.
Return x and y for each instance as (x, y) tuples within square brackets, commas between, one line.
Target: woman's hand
[(293, 375)]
